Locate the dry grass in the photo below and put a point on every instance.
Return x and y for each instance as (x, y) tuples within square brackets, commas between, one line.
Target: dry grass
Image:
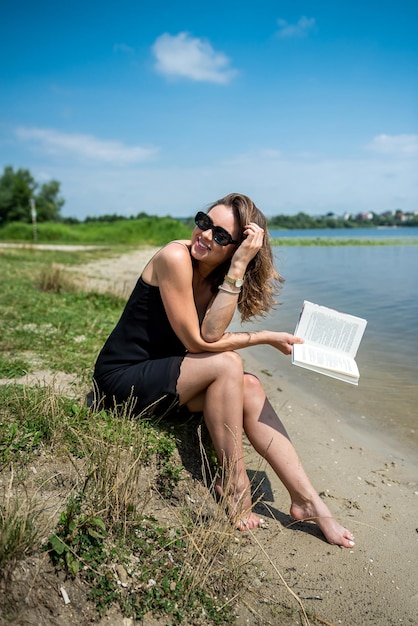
[(121, 472), (21, 523), (55, 279)]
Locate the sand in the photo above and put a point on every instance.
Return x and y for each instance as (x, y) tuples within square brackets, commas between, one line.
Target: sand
[(371, 487)]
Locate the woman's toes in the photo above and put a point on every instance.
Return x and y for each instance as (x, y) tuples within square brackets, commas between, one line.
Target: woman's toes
[(252, 521)]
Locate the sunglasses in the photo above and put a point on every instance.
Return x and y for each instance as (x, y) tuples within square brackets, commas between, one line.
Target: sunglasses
[(220, 235)]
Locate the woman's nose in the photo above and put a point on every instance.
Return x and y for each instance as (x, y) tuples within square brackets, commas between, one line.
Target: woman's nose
[(207, 233)]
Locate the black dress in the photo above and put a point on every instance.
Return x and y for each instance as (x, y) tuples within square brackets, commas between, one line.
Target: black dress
[(141, 359)]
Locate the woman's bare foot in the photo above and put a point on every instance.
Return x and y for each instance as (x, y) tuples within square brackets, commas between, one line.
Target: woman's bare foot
[(246, 522), (239, 507), (316, 510)]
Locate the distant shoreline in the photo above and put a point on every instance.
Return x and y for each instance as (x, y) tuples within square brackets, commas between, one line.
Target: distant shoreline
[(281, 241)]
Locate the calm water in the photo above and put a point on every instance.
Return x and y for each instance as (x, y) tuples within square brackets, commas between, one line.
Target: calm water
[(379, 283)]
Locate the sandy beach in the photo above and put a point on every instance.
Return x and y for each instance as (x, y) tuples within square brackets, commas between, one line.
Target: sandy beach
[(369, 482), (371, 487)]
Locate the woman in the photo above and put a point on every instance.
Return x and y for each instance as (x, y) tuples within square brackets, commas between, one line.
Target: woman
[(171, 342)]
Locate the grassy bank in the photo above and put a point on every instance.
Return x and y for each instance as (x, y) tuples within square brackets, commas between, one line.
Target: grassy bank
[(100, 522), (98, 508)]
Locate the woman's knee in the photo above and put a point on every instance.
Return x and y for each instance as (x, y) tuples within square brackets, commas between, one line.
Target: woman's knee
[(252, 382), (229, 364), (253, 387)]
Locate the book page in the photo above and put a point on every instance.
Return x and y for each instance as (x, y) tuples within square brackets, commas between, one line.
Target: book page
[(323, 359), (322, 326)]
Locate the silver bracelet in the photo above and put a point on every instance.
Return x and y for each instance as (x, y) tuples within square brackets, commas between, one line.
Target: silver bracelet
[(234, 293)]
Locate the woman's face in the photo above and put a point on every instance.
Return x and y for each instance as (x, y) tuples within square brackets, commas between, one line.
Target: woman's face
[(204, 248)]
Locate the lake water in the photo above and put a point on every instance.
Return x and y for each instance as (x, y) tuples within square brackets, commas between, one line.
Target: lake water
[(379, 283)]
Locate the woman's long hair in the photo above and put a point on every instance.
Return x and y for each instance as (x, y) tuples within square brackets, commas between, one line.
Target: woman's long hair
[(261, 281)]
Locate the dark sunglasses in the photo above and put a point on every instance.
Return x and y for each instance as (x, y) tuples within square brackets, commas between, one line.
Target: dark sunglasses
[(220, 235)]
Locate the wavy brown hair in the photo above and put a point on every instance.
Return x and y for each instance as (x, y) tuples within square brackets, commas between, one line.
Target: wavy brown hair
[(262, 282)]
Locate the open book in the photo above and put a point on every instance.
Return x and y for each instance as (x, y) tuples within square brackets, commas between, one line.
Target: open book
[(331, 342)]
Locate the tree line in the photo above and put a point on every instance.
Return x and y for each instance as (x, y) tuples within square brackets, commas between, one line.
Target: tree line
[(360, 220), (20, 194)]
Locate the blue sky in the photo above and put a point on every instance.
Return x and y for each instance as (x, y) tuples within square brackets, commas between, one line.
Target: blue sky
[(163, 107)]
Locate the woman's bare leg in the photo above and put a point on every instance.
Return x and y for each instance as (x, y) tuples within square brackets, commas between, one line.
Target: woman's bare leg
[(214, 384), (268, 436)]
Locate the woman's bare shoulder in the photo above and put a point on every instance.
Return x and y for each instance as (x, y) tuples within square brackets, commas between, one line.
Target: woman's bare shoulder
[(185, 243), (174, 263), (179, 248), (174, 254)]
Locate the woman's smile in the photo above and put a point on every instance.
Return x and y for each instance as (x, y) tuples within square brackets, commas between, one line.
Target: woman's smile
[(202, 244)]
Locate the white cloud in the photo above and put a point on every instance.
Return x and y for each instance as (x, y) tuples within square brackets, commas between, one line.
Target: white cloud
[(394, 145), (298, 30), (188, 57), (85, 146)]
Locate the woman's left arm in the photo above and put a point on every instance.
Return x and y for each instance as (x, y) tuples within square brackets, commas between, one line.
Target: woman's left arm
[(222, 308)]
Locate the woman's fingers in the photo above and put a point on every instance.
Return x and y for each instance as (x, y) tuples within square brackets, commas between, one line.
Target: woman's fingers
[(253, 241), (254, 231), (285, 342)]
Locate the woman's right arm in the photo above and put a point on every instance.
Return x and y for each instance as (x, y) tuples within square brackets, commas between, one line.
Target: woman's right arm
[(173, 271)]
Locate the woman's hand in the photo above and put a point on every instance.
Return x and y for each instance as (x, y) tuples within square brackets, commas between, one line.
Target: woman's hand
[(284, 341), (254, 238)]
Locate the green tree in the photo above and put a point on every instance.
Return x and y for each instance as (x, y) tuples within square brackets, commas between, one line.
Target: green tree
[(49, 202), (16, 190)]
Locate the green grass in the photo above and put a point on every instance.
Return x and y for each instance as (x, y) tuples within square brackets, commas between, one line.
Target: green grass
[(11, 367), (150, 230), (114, 463), (62, 327)]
